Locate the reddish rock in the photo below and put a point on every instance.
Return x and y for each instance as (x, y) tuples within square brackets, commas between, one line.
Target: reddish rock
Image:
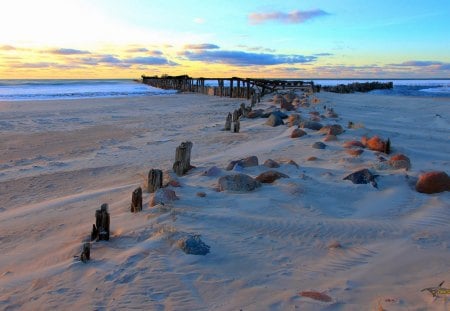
[(311, 159), (270, 176), (433, 182), (376, 144), (352, 144), (296, 133), (174, 183), (316, 296), (255, 114), (400, 161), (293, 119), (162, 196), (289, 97)]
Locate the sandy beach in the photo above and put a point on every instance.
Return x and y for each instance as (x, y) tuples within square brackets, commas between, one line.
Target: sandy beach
[(365, 248)]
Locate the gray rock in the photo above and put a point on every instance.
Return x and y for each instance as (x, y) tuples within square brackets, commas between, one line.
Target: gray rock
[(238, 183), (319, 145), (193, 245), (274, 120), (271, 163), (363, 176), (315, 126), (245, 162)]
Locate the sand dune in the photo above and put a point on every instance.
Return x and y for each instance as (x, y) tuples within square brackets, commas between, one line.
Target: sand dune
[(364, 247)]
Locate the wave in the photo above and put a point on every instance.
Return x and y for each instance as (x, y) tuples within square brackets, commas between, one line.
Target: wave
[(440, 90)]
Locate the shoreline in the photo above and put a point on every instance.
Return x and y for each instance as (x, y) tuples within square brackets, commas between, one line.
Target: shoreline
[(61, 161)]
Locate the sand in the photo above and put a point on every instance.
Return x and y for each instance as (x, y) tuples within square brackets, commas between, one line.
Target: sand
[(60, 160)]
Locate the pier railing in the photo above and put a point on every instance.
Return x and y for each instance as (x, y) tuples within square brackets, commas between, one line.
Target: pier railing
[(231, 87)]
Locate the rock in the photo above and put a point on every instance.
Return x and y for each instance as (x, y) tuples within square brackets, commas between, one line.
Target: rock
[(238, 183), (316, 296), (274, 120), (363, 176), (212, 171), (270, 176), (311, 125), (400, 161), (162, 196), (271, 163), (376, 144), (312, 159), (245, 162), (330, 137), (193, 245), (319, 145), (255, 114), (354, 151), (290, 162), (280, 114), (201, 194), (433, 182), (169, 179), (289, 97), (352, 144), (334, 129), (287, 106), (293, 119), (296, 133)]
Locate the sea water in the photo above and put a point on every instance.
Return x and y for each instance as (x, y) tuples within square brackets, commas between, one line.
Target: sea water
[(14, 90), (17, 90)]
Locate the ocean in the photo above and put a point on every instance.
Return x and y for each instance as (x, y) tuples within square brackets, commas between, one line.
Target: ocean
[(19, 90)]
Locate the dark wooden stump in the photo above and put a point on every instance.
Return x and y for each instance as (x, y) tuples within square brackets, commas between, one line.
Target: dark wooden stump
[(100, 231), (136, 200), (154, 180), (86, 252), (236, 126), (182, 158), (228, 122)]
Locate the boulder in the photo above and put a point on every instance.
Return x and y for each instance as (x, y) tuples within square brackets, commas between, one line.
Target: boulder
[(400, 161), (245, 162), (433, 182), (363, 176), (354, 151), (376, 144), (312, 125), (274, 120), (162, 196), (289, 97), (334, 129), (296, 133), (319, 145), (270, 176), (193, 245), (271, 163), (238, 183), (255, 114)]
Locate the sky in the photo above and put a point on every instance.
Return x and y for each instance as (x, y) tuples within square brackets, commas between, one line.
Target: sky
[(209, 38)]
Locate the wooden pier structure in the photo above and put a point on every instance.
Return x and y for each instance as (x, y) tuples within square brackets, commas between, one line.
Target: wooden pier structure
[(235, 87)]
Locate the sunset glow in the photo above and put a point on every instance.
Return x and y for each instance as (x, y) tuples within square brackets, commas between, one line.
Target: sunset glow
[(307, 39)]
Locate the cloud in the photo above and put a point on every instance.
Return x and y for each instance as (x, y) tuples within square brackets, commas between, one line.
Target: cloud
[(137, 50), (240, 58), (149, 60), (294, 17), (256, 48), (444, 66), (418, 63), (63, 51), (203, 46), (323, 54), (199, 20)]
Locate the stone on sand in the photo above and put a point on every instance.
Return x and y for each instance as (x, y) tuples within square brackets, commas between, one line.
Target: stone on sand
[(296, 133), (162, 196), (270, 176), (400, 161), (238, 183), (433, 182)]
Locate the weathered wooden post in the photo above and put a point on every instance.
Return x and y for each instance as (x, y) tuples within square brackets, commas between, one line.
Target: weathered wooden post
[(236, 123), (136, 200), (228, 122), (154, 180), (100, 231), (231, 87), (182, 158), (248, 89), (86, 252)]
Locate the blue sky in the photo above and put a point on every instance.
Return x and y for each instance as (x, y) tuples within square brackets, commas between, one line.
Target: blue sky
[(304, 39)]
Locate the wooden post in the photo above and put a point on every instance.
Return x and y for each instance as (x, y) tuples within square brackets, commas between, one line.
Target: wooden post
[(86, 252), (136, 200), (248, 89), (228, 122), (100, 231), (238, 88), (182, 158), (236, 123), (154, 180), (231, 87)]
